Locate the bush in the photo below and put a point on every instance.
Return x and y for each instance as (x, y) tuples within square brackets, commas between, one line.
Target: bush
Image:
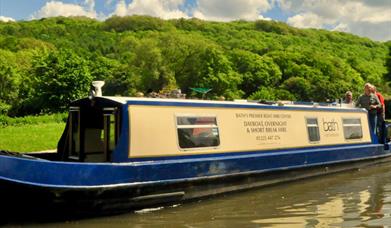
[(4, 108)]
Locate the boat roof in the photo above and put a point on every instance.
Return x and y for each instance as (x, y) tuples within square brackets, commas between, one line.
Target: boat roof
[(125, 100)]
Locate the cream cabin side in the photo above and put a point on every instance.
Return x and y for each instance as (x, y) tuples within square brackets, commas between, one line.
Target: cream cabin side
[(158, 130)]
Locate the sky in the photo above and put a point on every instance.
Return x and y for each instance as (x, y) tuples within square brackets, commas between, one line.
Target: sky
[(368, 18)]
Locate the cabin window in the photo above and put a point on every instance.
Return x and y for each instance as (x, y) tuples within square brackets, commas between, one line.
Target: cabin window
[(352, 128), (313, 129), (197, 131)]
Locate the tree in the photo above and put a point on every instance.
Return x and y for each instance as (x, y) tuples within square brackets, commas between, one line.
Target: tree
[(207, 66), (257, 71), (150, 66), (123, 81), (299, 87), (387, 75), (59, 78), (9, 81), (57, 57), (136, 23)]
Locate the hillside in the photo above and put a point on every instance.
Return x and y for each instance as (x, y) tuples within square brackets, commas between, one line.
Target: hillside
[(44, 64)]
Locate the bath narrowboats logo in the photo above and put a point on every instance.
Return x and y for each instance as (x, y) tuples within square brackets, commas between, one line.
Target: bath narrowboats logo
[(330, 125)]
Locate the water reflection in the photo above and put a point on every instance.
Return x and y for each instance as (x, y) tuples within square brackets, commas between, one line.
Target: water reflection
[(357, 199), (353, 199)]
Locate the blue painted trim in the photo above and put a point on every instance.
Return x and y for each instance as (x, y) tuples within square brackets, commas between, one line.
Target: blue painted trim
[(236, 105), (121, 151)]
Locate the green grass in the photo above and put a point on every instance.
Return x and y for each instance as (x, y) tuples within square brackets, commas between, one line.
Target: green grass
[(40, 119), (31, 137)]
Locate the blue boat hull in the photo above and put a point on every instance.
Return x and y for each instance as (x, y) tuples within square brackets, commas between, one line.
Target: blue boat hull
[(42, 186)]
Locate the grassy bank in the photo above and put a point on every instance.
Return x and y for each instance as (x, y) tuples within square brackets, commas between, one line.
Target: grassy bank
[(30, 137), (6, 121), (31, 133)]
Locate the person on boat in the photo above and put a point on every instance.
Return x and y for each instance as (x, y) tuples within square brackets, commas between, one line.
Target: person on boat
[(381, 125), (371, 103), (348, 98)]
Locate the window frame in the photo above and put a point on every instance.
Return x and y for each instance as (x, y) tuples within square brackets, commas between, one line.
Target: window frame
[(308, 132), (343, 127), (190, 115)]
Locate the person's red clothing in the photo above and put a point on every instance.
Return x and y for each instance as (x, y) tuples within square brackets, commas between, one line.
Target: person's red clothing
[(381, 99)]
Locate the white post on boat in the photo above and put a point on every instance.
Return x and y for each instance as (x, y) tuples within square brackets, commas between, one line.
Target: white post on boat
[(97, 88)]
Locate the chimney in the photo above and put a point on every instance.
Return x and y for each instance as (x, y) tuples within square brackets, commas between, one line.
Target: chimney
[(97, 92)]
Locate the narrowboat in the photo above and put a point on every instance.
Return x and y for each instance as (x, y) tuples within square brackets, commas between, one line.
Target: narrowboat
[(124, 153)]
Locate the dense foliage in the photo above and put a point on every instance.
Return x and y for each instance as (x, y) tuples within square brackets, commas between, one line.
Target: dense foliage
[(45, 64)]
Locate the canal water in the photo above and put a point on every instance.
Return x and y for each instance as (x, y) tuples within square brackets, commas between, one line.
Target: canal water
[(359, 198)]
